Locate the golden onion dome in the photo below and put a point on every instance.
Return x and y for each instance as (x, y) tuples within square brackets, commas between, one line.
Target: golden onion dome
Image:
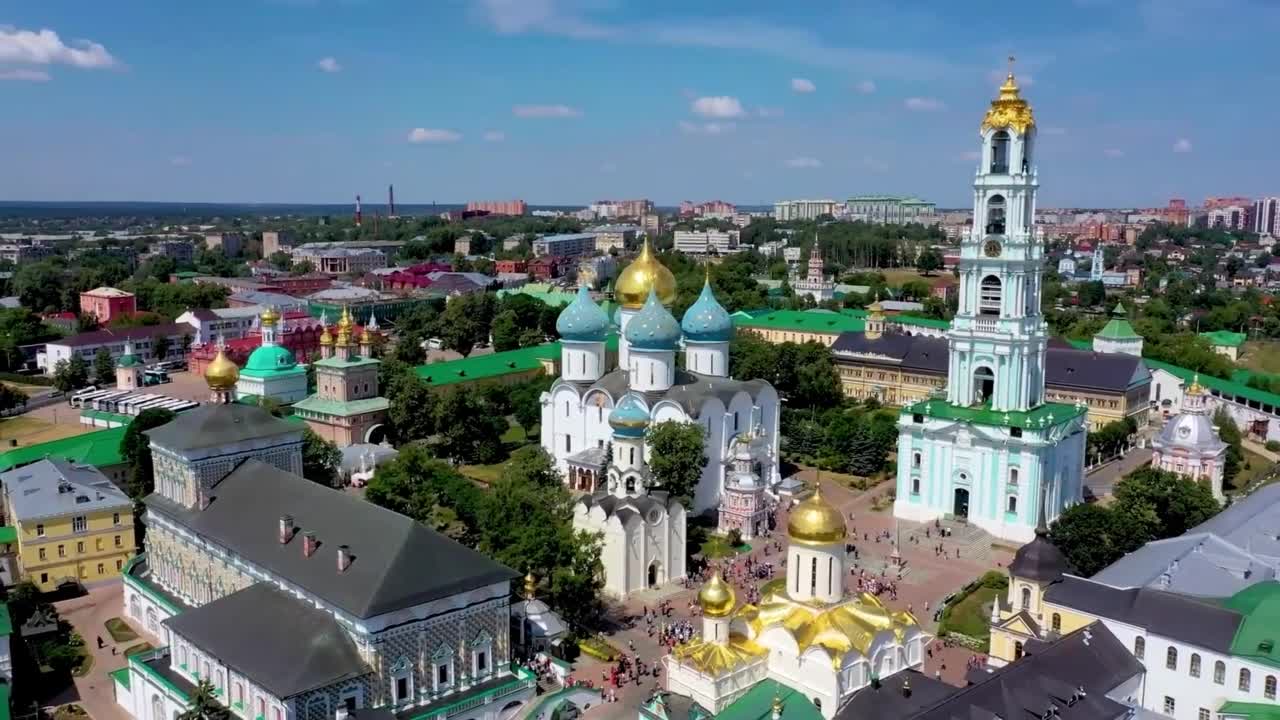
[(269, 317), (1196, 388), (1009, 110), (816, 522), (221, 374), (325, 337), (716, 597), (345, 322), (643, 274), (875, 307)]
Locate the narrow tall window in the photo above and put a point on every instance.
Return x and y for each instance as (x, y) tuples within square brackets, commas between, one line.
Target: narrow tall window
[(1000, 152), (1246, 680), (1026, 598), (1194, 668), (1139, 647), (1171, 658), (813, 576), (1057, 623), (1219, 673)]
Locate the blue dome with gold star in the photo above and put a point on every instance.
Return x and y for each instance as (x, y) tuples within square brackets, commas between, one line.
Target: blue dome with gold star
[(582, 320), (653, 328), (629, 418), (706, 320)]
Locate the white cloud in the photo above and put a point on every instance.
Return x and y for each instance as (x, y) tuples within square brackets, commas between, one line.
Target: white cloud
[(513, 17), (923, 104), (1182, 145), (866, 87), (804, 162), (769, 112), (25, 75), (708, 128), (329, 65), (180, 161), (44, 47), (433, 135), (801, 85), (495, 136), (1113, 153), (545, 111), (718, 106)]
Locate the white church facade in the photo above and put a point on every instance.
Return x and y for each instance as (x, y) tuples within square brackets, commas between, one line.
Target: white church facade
[(985, 451)]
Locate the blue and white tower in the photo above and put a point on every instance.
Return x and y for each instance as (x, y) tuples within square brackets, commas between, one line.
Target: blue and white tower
[(652, 336), (582, 326), (985, 451)]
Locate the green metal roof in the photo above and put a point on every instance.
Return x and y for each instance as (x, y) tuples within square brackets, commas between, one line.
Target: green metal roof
[(1118, 328), (1225, 338), (336, 362), (343, 409), (804, 321), (1222, 387), (8, 534), (108, 416), (1258, 637), (493, 365), (1253, 711), (541, 291), (757, 704), (97, 448), (1044, 416), (919, 321), (121, 677), (6, 622)]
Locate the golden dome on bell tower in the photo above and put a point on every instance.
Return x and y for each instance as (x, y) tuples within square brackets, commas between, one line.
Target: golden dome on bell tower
[(716, 597), (222, 373), (643, 274), (1009, 110)]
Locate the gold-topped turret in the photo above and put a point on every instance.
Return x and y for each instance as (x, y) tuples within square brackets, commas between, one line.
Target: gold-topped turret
[(816, 521), (1009, 110), (345, 323), (530, 586), (269, 317), (716, 597), (221, 373), (1195, 388)]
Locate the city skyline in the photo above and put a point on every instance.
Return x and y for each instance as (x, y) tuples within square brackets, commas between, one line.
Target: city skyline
[(565, 101)]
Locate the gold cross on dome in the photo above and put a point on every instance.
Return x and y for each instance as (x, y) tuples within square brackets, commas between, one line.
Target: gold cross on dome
[(1011, 59)]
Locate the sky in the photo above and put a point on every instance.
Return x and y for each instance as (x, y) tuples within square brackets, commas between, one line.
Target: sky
[(570, 101)]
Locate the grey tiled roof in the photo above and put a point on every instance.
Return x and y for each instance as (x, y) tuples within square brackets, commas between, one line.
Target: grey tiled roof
[(689, 389), (1234, 549), (1039, 560), (215, 424), (397, 562), (1187, 619), (53, 487), (285, 644)]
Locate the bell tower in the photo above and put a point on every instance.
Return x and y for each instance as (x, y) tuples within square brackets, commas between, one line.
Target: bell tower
[(998, 339)]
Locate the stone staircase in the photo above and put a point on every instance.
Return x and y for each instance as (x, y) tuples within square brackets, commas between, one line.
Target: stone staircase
[(973, 541)]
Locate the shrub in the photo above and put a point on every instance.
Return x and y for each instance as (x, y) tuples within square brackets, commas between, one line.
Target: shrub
[(1273, 445)]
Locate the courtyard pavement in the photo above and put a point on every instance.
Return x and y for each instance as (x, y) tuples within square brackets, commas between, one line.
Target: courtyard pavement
[(928, 578), (88, 615)]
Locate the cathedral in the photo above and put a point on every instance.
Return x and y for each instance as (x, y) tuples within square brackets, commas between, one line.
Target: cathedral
[(1189, 443), (299, 602), (807, 632), (271, 370), (575, 410), (594, 418), (985, 451)]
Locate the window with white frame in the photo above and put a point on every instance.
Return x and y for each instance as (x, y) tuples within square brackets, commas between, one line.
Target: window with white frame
[(1219, 673), (442, 668), (481, 654), (1168, 706)]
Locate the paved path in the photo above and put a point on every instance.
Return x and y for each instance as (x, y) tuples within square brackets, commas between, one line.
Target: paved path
[(87, 615), (928, 578), (1100, 482)]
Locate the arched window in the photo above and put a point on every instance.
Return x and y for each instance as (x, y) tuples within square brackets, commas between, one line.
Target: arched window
[(1269, 687), (995, 215), (1246, 679), (1056, 623), (915, 460), (1017, 650), (1011, 505), (1026, 597), (1195, 665), (1000, 152), (915, 486), (1220, 673), (1013, 476), (1139, 647), (157, 708), (989, 296), (1171, 658)]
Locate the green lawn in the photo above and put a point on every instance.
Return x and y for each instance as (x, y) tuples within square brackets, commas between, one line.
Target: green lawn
[(718, 547), (1254, 466), (29, 430), (970, 614), (120, 630), (1261, 356)]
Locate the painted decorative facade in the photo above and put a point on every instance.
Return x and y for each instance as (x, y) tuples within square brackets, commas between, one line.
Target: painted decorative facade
[(271, 370), (985, 450), (1189, 443), (346, 408)]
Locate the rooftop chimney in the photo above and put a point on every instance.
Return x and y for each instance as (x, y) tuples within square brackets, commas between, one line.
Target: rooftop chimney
[(344, 558), (202, 497), (286, 528), (309, 543)]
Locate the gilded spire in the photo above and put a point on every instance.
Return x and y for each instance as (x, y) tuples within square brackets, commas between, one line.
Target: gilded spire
[(777, 705), (530, 586), (1009, 110)]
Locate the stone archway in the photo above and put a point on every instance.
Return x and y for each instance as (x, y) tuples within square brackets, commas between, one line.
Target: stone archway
[(655, 575), (376, 434)]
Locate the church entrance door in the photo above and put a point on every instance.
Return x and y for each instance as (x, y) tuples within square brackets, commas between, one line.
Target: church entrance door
[(961, 508), (655, 574)]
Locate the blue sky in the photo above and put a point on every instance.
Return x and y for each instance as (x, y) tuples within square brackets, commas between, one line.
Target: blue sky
[(566, 101)]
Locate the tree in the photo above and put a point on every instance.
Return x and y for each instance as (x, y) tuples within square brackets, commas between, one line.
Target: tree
[(412, 410), (465, 322), (1229, 433), (1083, 534), (302, 267), (428, 490), (929, 261), (469, 429), (526, 403), (70, 375), (1091, 293), (506, 331), (160, 346), (676, 458), (39, 285), (1178, 502), (321, 459), (280, 260), (135, 449), (104, 368), (531, 464), (204, 704)]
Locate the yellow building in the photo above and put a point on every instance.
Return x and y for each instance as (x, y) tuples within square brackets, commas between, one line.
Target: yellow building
[(1025, 613), (71, 524)]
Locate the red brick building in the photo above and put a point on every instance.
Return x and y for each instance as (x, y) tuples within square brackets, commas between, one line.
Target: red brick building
[(511, 266), (301, 336), (545, 268)]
